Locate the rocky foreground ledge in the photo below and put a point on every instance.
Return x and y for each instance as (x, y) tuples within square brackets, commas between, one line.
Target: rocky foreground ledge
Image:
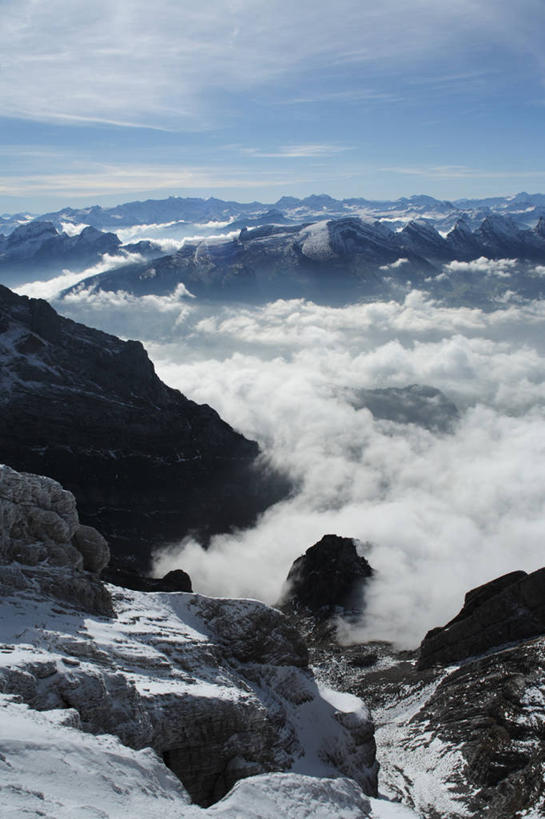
[(115, 700)]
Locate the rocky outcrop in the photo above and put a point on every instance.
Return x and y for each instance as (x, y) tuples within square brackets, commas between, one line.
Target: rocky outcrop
[(145, 464), (174, 581), (328, 578), (416, 404), (425, 241), (333, 260), (89, 776), (457, 742), (42, 543), (490, 715), (505, 610)]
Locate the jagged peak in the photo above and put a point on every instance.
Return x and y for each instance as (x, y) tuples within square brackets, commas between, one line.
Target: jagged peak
[(421, 228), (540, 227), (32, 230), (461, 226), (499, 224)]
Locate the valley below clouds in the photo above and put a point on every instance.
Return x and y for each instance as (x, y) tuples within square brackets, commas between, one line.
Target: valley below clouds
[(439, 510)]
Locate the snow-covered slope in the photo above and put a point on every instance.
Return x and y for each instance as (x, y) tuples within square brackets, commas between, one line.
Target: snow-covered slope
[(53, 770), (93, 704)]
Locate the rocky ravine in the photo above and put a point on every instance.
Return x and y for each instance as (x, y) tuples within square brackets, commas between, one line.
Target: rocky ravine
[(98, 686), (460, 725), (145, 463)]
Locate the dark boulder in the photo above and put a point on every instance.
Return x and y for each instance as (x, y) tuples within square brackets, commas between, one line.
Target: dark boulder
[(330, 575), (506, 610), (174, 581)]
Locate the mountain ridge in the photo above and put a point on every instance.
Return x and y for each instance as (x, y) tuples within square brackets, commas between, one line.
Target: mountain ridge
[(336, 259), (145, 463)]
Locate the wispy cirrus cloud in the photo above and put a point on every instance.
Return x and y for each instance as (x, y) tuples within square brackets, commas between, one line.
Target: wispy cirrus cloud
[(461, 172), (105, 179), (123, 80), (298, 151), (165, 65)]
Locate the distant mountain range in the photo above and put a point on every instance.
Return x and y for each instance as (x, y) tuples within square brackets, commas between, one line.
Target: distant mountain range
[(524, 208), (338, 260), (318, 247), (38, 247)]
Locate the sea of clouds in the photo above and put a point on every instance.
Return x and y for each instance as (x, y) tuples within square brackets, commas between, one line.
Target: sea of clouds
[(443, 512)]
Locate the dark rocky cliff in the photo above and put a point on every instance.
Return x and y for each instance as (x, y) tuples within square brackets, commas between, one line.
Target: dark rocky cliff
[(505, 610), (146, 464)]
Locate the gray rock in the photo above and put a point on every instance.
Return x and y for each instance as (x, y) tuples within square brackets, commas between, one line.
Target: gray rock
[(219, 689), (492, 712), (417, 404), (508, 609), (330, 576), (93, 547), (42, 543)]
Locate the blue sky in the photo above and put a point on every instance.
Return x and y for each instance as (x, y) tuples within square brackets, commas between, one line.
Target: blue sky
[(115, 100)]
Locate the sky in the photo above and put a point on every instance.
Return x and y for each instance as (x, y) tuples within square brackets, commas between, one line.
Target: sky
[(118, 100)]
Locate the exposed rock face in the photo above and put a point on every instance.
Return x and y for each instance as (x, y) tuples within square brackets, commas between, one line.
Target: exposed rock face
[(451, 743), (505, 610), (328, 577), (220, 689), (335, 260), (425, 241), (93, 547), (145, 464), (492, 712), (43, 543)]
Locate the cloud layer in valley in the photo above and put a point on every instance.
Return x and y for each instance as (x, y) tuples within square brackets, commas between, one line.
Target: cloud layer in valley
[(444, 512)]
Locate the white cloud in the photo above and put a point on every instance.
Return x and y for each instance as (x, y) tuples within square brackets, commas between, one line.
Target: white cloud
[(444, 513), (490, 267), (51, 288), (461, 172), (136, 63), (394, 265), (298, 151), (99, 179)]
